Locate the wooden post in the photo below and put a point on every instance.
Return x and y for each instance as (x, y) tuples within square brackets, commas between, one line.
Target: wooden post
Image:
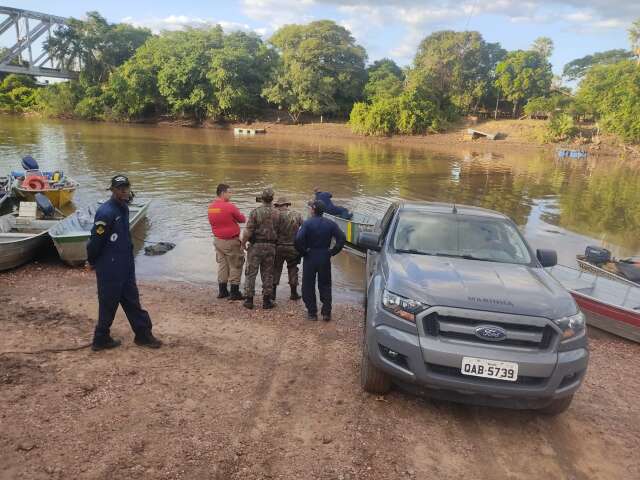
[(495, 114)]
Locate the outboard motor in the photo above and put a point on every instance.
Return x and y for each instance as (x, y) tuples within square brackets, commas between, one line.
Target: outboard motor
[(597, 255), (45, 205), (29, 163)]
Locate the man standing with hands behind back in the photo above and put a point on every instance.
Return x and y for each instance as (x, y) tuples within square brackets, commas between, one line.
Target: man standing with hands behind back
[(225, 218)]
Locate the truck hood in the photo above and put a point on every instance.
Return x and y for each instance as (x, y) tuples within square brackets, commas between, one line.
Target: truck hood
[(478, 285)]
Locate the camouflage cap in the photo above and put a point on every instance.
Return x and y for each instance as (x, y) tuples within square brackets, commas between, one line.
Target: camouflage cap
[(282, 201), (267, 194)]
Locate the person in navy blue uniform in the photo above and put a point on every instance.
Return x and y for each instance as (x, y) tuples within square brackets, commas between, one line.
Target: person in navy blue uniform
[(313, 241), (330, 207), (110, 253)]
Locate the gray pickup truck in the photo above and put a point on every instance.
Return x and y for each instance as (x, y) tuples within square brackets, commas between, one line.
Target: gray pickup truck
[(459, 307)]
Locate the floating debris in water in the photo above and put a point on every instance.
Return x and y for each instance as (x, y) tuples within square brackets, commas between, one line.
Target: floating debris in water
[(159, 248)]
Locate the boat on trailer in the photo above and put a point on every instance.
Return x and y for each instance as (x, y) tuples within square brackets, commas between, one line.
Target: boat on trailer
[(353, 227), (607, 303), (71, 235), (626, 271)]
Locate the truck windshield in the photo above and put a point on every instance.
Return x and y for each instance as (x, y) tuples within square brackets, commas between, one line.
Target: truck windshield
[(464, 236)]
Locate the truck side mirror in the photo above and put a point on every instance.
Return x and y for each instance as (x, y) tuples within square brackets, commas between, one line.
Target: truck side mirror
[(547, 258), (369, 241)]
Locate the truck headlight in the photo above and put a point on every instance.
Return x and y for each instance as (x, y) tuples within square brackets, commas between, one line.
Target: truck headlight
[(571, 326), (404, 308)]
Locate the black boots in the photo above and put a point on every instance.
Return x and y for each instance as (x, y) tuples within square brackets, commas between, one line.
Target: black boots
[(222, 290), (248, 303), (104, 344), (235, 293), (312, 316), (267, 302), (147, 340), (294, 293)]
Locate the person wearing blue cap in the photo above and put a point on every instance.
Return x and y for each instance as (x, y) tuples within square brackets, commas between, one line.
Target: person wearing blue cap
[(313, 242), (110, 252)]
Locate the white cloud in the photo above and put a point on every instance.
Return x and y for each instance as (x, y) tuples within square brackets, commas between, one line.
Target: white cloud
[(180, 22), (278, 12)]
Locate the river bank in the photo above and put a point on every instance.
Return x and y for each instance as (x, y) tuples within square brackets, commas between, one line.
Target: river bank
[(237, 394), (515, 135)]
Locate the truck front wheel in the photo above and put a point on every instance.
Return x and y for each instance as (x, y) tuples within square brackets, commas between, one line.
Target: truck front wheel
[(372, 379)]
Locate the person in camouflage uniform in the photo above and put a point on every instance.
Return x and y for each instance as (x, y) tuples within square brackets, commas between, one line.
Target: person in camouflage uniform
[(290, 222), (259, 239)]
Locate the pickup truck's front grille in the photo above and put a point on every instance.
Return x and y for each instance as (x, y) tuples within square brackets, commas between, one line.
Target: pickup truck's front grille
[(464, 329), (455, 372)]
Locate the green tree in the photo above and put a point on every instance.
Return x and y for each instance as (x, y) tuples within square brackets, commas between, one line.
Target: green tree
[(99, 45), (321, 69), (17, 93), (459, 65), (168, 71), (384, 80), (59, 99), (544, 46), (554, 103), (238, 72), (523, 75), (612, 94), (577, 69)]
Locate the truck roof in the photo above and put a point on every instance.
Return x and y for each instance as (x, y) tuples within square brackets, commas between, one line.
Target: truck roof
[(440, 207)]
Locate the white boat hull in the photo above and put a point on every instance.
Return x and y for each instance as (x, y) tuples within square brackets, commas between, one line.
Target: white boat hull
[(72, 245)]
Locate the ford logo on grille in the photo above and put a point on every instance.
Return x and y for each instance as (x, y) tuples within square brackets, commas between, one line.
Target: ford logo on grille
[(491, 333)]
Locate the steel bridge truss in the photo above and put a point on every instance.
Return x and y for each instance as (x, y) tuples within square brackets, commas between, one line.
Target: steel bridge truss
[(26, 56)]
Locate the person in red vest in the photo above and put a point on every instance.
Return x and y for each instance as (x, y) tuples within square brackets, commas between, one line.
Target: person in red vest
[(225, 218)]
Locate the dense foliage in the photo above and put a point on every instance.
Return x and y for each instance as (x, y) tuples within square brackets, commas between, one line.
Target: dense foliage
[(577, 69), (612, 94), (320, 69), (17, 93), (100, 46), (523, 75)]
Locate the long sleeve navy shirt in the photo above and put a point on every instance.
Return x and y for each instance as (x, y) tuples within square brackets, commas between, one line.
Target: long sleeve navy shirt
[(316, 234)]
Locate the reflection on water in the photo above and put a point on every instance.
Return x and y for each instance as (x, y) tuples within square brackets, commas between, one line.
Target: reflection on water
[(564, 204)]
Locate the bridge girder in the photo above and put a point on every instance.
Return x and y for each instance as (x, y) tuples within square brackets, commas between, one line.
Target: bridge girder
[(13, 62)]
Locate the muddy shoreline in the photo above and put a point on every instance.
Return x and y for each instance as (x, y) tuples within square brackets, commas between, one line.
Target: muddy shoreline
[(515, 136), (238, 394)]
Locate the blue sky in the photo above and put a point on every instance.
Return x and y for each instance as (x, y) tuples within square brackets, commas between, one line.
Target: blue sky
[(386, 28)]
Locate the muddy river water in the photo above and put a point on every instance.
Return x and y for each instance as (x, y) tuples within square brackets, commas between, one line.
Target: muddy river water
[(564, 204)]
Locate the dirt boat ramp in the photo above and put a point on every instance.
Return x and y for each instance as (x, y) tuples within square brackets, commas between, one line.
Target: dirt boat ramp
[(239, 394)]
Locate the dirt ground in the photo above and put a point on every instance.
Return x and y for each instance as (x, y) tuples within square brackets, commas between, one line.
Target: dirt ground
[(237, 394)]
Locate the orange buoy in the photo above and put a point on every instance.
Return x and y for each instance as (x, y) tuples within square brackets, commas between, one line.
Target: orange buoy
[(35, 182)]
